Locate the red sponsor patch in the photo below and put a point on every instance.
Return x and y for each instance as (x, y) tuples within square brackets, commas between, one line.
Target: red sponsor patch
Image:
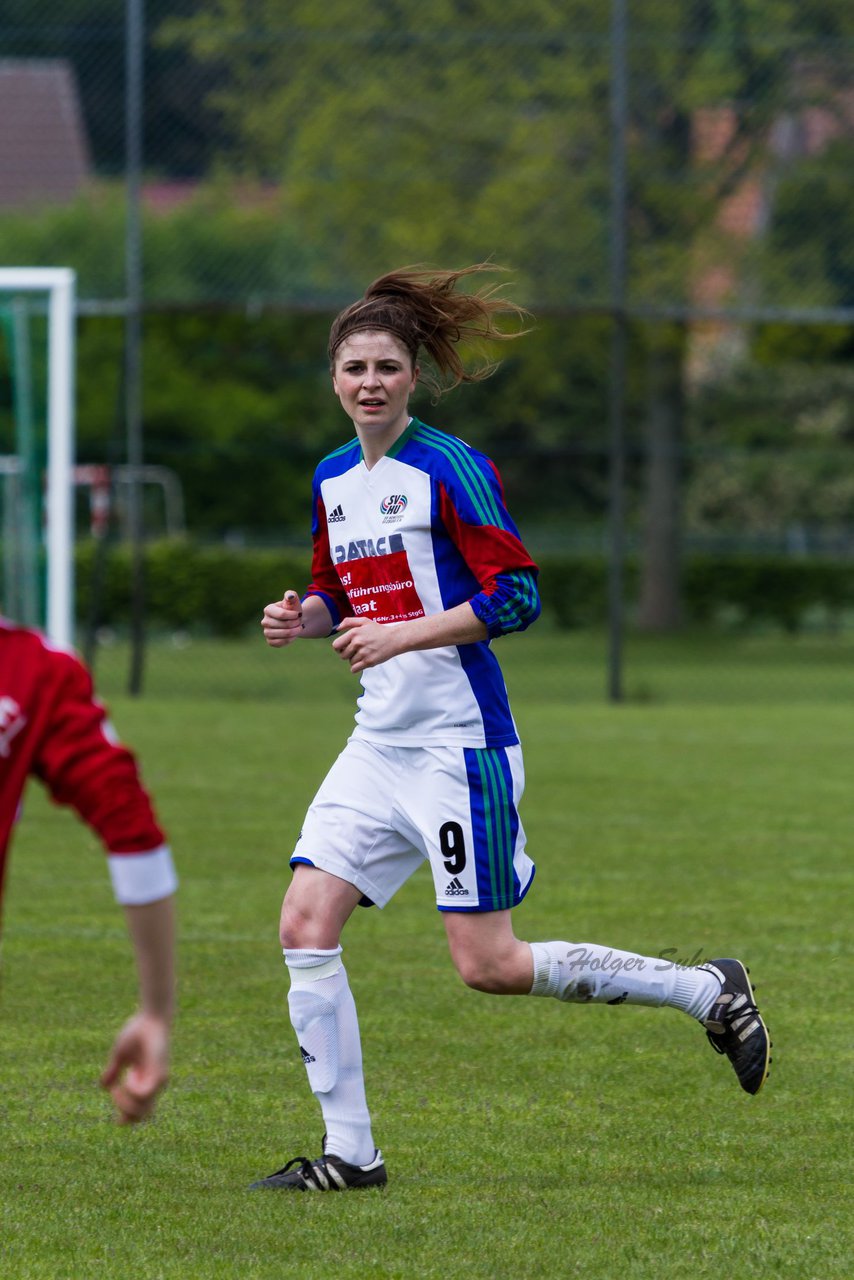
[(381, 587)]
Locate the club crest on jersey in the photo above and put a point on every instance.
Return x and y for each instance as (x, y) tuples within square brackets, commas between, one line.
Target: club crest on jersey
[(393, 507), (12, 721)]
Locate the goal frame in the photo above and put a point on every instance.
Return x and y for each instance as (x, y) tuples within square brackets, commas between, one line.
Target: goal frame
[(59, 284)]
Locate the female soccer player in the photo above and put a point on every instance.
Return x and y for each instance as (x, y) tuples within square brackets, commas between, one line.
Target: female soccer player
[(417, 567)]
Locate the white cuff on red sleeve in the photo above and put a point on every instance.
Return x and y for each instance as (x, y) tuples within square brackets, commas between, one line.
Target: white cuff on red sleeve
[(139, 878)]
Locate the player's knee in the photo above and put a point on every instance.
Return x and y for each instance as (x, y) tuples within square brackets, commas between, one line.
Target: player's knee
[(481, 972), (304, 924), (295, 928), (317, 905), (499, 966)]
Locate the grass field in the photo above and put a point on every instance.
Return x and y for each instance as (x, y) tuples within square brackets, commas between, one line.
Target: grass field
[(709, 815)]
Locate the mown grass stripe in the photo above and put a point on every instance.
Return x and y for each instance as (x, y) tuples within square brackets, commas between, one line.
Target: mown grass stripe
[(750, 730)]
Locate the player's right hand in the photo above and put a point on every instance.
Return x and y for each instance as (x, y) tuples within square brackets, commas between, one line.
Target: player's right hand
[(282, 620), (138, 1067)]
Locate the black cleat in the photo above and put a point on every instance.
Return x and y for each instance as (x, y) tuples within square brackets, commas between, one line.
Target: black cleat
[(735, 1027), (327, 1173)]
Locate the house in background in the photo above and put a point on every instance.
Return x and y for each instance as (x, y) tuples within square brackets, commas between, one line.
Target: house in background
[(745, 214), (44, 153)]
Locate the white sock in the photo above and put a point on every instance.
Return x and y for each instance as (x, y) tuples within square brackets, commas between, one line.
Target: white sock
[(323, 1014), (586, 973)]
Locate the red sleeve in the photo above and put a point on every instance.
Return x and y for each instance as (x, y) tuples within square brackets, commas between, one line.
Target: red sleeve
[(508, 599), (325, 581), (487, 549), (83, 766)]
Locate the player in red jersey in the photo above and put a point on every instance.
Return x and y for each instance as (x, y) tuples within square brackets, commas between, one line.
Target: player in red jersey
[(53, 727)]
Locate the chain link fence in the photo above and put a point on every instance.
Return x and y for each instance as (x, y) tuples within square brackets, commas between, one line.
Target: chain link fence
[(288, 154), (291, 152)]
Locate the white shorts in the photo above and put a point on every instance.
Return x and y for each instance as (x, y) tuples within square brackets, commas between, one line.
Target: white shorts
[(381, 811)]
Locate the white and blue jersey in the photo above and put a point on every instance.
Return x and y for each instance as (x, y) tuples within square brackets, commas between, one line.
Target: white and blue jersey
[(426, 528)]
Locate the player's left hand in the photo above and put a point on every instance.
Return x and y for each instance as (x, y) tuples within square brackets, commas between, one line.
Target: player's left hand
[(138, 1067), (365, 643)]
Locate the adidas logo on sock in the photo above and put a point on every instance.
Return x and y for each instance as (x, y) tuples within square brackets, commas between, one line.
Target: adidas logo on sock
[(336, 516), (306, 1056), (456, 889)]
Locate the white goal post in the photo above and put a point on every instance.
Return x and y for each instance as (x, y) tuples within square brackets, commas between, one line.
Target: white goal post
[(58, 283)]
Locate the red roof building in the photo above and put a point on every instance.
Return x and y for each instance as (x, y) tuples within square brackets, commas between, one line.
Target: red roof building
[(44, 155)]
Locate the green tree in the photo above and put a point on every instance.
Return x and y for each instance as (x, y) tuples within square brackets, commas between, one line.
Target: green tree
[(435, 133), (460, 130), (775, 445), (808, 255), (738, 63)]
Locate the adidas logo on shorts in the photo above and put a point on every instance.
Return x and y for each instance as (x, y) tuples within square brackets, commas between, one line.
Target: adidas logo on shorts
[(456, 889), (306, 1056)]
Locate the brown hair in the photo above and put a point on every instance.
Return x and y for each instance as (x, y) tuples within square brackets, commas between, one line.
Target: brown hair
[(423, 310)]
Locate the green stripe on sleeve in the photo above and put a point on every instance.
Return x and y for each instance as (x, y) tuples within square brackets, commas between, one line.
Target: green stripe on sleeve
[(482, 498)]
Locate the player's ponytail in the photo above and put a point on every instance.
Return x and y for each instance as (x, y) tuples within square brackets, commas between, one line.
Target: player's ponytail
[(423, 309)]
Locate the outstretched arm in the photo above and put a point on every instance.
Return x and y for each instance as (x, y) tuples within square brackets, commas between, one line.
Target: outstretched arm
[(138, 1066), (83, 765)]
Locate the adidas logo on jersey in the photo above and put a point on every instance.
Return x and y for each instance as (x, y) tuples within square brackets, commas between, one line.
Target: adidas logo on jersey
[(306, 1056), (336, 515), (456, 889)]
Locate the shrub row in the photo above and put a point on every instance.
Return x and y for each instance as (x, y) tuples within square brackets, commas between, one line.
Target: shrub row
[(743, 589), (222, 590)]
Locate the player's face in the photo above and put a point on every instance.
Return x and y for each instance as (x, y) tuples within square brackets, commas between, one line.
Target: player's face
[(373, 378)]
